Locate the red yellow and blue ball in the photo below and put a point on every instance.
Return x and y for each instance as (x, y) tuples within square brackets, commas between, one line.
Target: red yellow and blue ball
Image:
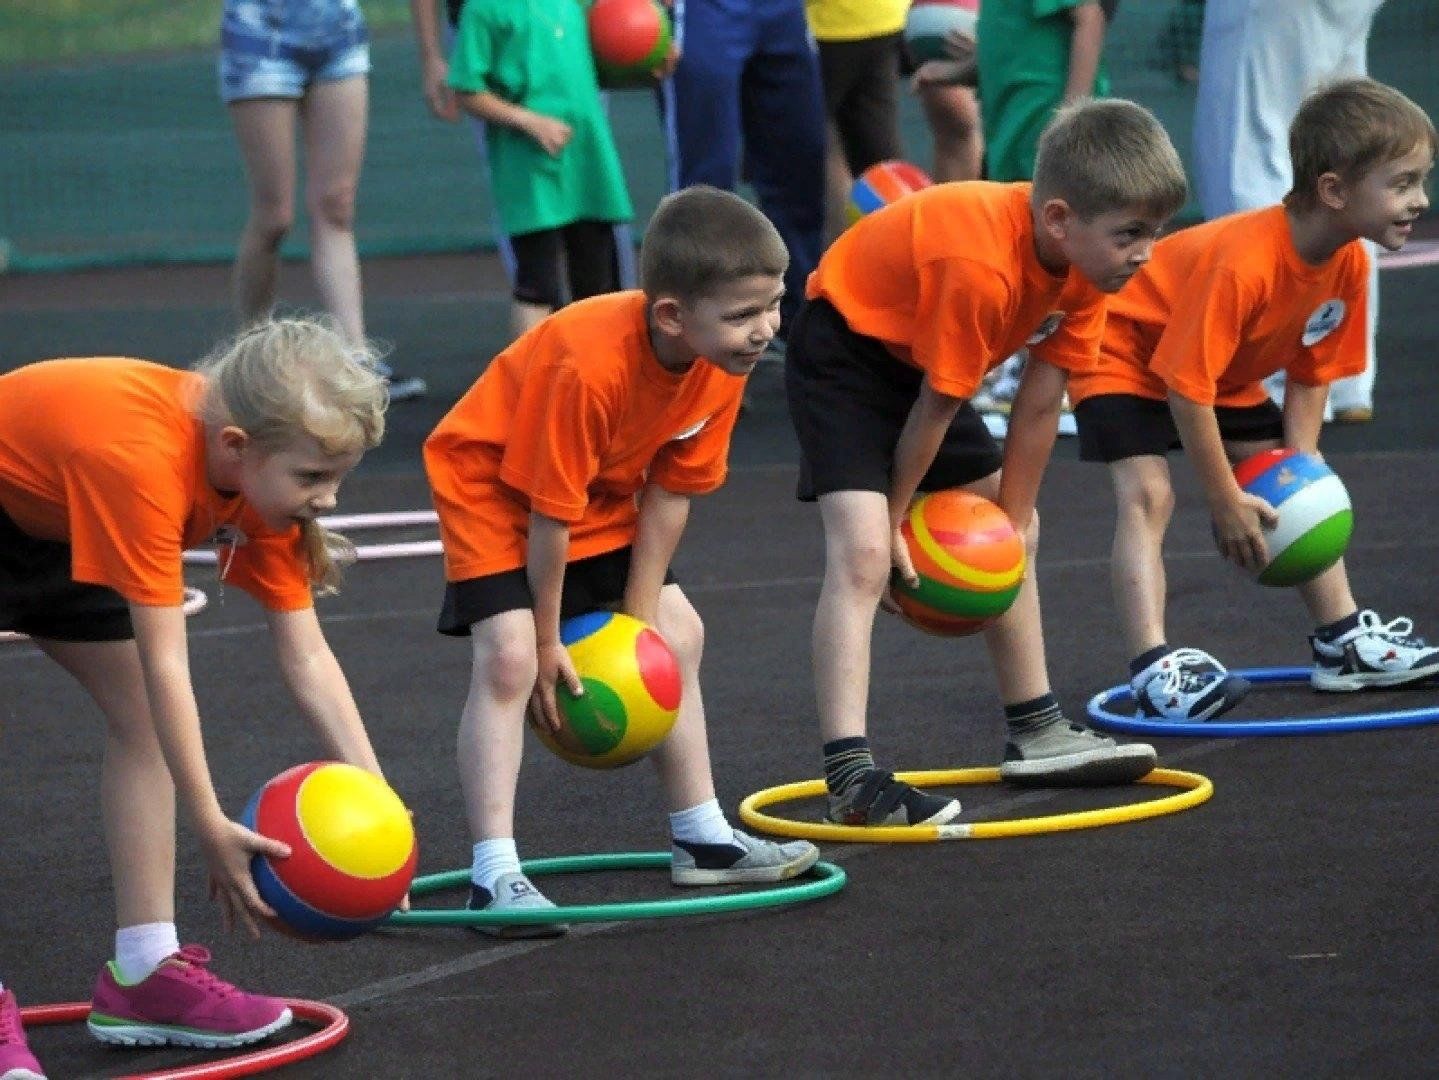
[(352, 849), (629, 39), (881, 184), (970, 561), (928, 21), (1316, 518), (632, 691)]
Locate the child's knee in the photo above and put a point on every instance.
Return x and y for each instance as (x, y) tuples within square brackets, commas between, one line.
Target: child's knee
[(508, 666), (1151, 498), (683, 631), (864, 567)]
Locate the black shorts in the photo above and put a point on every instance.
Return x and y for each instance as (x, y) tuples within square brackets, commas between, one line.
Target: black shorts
[(849, 398), (39, 598), (590, 584), (572, 262), (1113, 427), (861, 96)]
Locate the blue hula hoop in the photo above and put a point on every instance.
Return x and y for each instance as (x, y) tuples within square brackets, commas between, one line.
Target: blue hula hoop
[(1101, 713)]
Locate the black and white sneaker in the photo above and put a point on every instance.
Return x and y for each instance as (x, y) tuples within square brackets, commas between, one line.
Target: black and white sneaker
[(880, 799), (1374, 655), (746, 860), (402, 387), (1186, 685)]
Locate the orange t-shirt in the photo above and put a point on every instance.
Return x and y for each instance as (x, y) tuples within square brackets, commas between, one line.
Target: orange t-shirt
[(949, 280), (571, 421), (1221, 306), (106, 454)]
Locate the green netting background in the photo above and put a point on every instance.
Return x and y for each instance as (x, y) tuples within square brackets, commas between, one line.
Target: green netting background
[(117, 159)]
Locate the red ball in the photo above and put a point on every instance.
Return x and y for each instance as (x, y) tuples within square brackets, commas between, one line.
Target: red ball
[(628, 36)]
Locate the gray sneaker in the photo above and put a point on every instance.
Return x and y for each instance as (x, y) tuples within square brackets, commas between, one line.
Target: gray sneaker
[(514, 892), (880, 799), (1065, 754), (748, 860)]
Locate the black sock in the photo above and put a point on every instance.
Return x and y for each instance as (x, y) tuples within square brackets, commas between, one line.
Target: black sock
[(1027, 716), (1335, 629), (1144, 659), (846, 761)]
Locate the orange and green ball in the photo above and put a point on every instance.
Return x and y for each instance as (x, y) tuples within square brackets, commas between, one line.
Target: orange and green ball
[(632, 691), (969, 558), (352, 849)]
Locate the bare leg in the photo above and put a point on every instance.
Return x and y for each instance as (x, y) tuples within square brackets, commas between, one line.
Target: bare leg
[(265, 129), (335, 116), (1328, 597), (683, 759), (953, 115), (490, 743), (837, 182), (1145, 496), (856, 568), (137, 796), (526, 316)]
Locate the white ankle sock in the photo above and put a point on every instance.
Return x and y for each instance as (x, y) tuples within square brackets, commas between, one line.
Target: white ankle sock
[(140, 949), (702, 824), (493, 858)]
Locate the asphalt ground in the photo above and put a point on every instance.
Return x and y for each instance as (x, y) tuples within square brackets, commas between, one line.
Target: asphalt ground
[(1285, 928)]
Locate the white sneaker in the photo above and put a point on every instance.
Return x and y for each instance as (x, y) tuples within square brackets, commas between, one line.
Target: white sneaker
[(1374, 654), (1186, 685)]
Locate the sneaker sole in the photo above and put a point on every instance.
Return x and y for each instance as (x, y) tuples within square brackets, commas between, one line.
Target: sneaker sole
[(754, 875), (117, 1032), (1092, 768), (1369, 680), (523, 931)]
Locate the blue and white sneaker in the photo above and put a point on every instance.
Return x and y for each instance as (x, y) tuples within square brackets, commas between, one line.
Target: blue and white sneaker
[(402, 387), (1186, 685), (1374, 655), (748, 860)]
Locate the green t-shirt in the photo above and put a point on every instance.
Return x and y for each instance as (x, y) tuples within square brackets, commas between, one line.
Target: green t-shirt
[(536, 53), (1023, 66)]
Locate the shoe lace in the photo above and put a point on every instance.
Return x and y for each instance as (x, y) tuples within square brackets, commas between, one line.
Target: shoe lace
[(1192, 670), (190, 963), (1399, 631)]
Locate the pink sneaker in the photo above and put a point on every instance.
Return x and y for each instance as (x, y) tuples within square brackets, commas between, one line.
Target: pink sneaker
[(16, 1061), (184, 1004)]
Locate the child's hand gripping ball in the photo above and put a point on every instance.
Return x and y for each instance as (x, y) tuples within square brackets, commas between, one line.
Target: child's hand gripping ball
[(1315, 515)]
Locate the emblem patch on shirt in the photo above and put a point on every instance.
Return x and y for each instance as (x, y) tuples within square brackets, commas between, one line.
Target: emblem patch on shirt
[(228, 535), (1323, 322), (690, 432), (1049, 326)]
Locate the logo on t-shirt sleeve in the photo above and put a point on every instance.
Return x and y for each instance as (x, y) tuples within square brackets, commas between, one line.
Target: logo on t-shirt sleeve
[(690, 432), (1323, 322), (1046, 328)]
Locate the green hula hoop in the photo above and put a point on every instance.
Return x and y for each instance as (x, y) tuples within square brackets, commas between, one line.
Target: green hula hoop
[(824, 879)]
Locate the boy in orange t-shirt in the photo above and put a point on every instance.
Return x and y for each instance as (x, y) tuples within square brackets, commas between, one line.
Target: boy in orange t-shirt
[(1219, 308), (905, 314), (563, 480), (111, 467)]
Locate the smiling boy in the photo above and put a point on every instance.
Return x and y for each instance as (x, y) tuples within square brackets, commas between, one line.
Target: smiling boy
[(1186, 349), (905, 314)]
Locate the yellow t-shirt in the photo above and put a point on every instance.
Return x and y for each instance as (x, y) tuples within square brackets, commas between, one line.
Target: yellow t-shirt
[(854, 20)]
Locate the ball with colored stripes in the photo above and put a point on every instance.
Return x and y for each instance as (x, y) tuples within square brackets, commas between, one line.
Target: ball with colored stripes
[(352, 849), (879, 185), (1315, 515), (970, 562), (928, 21), (629, 39), (632, 691)]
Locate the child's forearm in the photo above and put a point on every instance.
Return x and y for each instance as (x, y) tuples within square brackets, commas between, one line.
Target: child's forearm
[(160, 639), (663, 515), (427, 29), (1204, 446), (547, 546), (919, 442), (1304, 415), (1085, 46), (1033, 428), (320, 689), (496, 110)]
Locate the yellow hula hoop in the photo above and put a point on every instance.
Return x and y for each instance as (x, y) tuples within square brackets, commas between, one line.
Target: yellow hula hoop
[(1196, 789)]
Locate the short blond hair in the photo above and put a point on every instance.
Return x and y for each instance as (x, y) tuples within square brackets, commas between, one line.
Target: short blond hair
[(283, 378), (1109, 154), (1349, 127), (701, 238)]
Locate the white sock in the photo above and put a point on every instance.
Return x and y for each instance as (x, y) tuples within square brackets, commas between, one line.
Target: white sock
[(493, 858), (140, 949), (702, 824)]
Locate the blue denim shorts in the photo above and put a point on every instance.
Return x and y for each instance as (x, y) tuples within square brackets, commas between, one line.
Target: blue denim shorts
[(277, 48)]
